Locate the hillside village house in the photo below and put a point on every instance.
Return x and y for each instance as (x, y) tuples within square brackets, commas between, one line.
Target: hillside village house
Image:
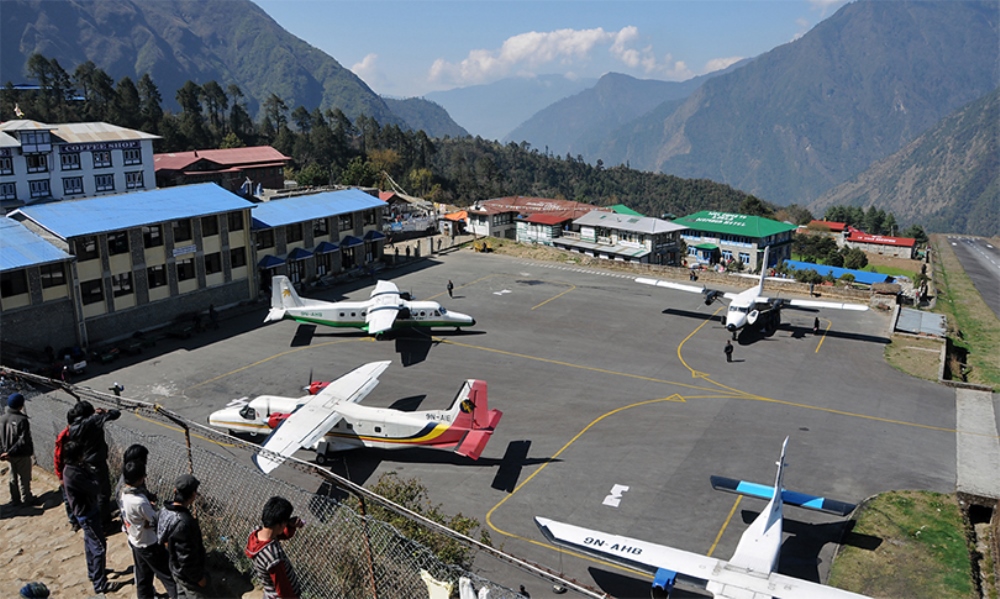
[(624, 237), (847, 236), (714, 237), (229, 168), (309, 236), (499, 217), (140, 260), (42, 162)]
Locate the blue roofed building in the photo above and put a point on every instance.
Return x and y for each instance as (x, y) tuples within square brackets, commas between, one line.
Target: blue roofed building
[(860, 276), (309, 236), (34, 282), (148, 258)]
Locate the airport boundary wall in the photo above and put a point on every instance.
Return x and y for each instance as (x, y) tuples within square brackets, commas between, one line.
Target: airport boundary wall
[(342, 552)]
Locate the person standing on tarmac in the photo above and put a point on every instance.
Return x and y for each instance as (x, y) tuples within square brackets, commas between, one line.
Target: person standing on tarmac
[(729, 350)]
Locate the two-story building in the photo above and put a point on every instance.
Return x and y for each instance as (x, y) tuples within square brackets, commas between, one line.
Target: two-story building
[(899, 247), (42, 162), (229, 168), (713, 237), (37, 307), (308, 236), (623, 237), (144, 259), (499, 217)]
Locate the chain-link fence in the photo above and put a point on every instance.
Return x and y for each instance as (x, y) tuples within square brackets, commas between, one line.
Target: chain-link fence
[(342, 552)]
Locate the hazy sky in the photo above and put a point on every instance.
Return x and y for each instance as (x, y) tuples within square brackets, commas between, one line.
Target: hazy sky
[(408, 48)]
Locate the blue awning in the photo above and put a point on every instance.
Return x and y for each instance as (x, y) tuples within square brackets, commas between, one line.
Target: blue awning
[(270, 261), (326, 247), (298, 254), (349, 242), (374, 235)]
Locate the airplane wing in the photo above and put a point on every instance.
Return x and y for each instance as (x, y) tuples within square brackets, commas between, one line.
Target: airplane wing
[(724, 581), (682, 287), (317, 415), (384, 309), (801, 303)]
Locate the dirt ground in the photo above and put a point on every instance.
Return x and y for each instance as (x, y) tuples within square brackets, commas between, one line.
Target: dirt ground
[(39, 546)]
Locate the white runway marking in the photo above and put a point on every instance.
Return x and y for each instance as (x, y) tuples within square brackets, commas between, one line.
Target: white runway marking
[(615, 497)]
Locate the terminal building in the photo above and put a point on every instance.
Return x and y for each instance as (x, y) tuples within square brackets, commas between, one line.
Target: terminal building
[(41, 162), (624, 237), (718, 237)]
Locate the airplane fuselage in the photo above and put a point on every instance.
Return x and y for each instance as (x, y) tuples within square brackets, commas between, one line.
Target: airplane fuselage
[(352, 315)]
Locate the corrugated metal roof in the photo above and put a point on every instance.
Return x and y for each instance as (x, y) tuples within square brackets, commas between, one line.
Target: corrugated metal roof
[(733, 224), (299, 209), (72, 218), (861, 276), (623, 209), (74, 133), (918, 322), (223, 157), (19, 247), (626, 222)]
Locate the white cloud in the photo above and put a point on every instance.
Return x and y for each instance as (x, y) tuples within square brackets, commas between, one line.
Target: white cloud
[(367, 69), (717, 64)]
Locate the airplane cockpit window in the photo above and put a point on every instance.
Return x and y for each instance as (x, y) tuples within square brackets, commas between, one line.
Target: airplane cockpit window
[(248, 413), (437, 313)]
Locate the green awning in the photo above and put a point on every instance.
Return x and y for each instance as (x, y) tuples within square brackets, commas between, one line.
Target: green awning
[(707, 246)]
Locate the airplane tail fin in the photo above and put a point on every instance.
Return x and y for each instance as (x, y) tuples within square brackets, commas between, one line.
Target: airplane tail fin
[(763, 271), (471, 410), (283, 297)]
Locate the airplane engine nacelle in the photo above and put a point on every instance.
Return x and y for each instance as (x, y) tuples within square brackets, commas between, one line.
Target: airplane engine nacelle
[(711, 296), (752, 316)]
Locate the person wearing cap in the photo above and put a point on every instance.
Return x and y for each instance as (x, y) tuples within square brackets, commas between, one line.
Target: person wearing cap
[(16, 447), (270, 562), (179, 531), (88, 430), (139, 521)]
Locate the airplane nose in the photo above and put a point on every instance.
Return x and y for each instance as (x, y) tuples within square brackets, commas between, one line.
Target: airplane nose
[(730, 327), (473, 322)]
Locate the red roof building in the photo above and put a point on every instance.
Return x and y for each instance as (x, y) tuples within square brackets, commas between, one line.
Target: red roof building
[(900, 247), (833, 227), (229, 168)]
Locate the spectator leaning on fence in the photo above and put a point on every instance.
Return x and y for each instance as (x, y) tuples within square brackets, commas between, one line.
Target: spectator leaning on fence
[(59, 462), (88, 430), (139, 521), (270, 563), (179, 531), (82, 491), (17, 449)]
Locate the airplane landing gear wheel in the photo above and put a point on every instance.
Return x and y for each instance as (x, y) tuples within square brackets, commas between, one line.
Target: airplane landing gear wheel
[(321, 459)]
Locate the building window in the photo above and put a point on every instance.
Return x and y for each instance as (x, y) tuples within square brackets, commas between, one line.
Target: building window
[(86, 248), (185, 269), (321, 227), (134, 180), (235, 221), (209, 226), (156, 276), (117, 243), (102, 158), (8, 191), (371, 217), (37, 163), (132, 156), (6, 165), (346, 222), (91, 292), (72, 186), (13, 283), (293, 233), (213, 263), (121, 284), (39, 189), (70, 161), (52, 275), (237, 258), (104, 182), (31, 139), (265, 239), (152, 236), (182, 230), (744, 258)]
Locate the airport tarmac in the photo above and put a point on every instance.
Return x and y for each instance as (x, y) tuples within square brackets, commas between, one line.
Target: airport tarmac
[(604, 383)]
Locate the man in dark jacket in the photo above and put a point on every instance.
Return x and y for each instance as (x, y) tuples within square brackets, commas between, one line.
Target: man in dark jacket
[(88, 431), (17, 449), (179, 531), (81, 489)]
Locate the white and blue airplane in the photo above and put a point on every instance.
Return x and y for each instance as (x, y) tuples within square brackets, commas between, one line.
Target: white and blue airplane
[(747, 307), (386, 309), (749, 574)]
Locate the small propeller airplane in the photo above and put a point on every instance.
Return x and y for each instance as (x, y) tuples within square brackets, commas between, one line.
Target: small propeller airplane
[(386, 309), (331, 420), (749, 574), (748, 307)]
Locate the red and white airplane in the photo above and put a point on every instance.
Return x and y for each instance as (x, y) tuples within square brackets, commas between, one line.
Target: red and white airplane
[(749, 574), (748, 307), (331, 420)]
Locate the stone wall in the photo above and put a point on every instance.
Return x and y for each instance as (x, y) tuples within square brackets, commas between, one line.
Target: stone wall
[(36, 327)]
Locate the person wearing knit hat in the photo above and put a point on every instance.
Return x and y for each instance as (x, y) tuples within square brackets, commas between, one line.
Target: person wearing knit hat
[(16, 447)]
